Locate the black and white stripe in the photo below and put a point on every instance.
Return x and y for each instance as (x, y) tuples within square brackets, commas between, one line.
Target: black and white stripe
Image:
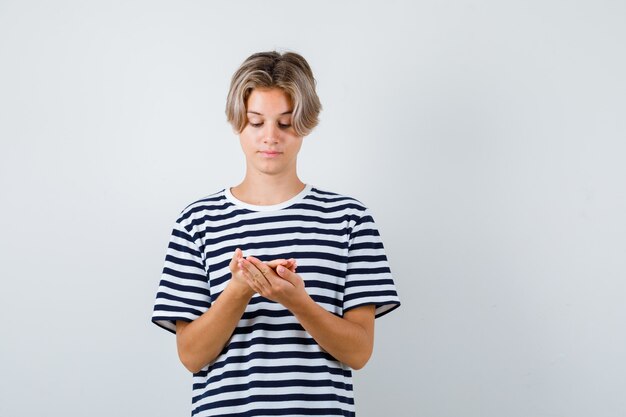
[(271, 365)]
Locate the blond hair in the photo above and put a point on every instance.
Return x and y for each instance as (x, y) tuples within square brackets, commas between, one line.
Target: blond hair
[(288, 71)]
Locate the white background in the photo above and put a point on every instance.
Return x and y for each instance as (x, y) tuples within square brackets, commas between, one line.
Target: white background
[(487, 137)]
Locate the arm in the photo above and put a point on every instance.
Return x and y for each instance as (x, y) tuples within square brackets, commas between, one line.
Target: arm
[(349, 339), (199, 342)]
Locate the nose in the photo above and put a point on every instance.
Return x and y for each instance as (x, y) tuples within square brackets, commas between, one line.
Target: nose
[(271, 133)]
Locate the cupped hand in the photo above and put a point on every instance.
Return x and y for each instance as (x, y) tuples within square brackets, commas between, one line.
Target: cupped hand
[(239, 280), (281, 285)]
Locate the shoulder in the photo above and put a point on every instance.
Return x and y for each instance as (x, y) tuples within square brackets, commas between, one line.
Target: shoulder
[(205, 205), (329, 198), (334, 204)]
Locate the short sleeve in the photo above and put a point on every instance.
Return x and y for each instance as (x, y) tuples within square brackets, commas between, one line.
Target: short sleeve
[(368, 276), (183, 292)]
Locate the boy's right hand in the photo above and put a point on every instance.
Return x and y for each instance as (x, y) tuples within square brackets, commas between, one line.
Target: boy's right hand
[(238, 279)]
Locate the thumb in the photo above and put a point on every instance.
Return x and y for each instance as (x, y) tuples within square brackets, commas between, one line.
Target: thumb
[(236, 256), (288, 275)]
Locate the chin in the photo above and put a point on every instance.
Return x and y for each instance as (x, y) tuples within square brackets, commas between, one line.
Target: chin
[(270, 171), (272, 166)]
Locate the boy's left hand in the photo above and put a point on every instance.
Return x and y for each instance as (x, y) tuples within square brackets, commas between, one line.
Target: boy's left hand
[(282, 285)]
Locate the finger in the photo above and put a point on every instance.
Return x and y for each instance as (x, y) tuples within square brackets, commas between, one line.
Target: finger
[(242, 268), (252, 284), (287, 263), (293, 266), (288, 275), (267, 272), (275, 262), (256, 275), (238, 254)]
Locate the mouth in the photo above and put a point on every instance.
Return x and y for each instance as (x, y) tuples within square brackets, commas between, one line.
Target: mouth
[(270, 154)]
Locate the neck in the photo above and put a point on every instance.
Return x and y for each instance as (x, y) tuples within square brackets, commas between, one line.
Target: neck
[(265, 190)]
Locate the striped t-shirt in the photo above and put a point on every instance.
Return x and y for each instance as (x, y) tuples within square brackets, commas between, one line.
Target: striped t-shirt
[(271, 366)]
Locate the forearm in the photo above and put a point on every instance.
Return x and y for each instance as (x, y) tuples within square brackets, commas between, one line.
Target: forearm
[(348, 342), (349, 339), (201, 341)]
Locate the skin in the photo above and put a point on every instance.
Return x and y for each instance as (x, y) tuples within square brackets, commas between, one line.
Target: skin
[(271, 147)]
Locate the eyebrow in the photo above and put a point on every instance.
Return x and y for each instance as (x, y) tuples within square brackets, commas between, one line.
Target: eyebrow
[(260, 114)]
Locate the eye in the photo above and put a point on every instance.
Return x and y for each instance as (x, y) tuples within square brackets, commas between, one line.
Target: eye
[(284, 126), (256, 124)]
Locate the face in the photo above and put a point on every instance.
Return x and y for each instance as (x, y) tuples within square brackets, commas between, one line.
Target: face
[(269, 141)]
